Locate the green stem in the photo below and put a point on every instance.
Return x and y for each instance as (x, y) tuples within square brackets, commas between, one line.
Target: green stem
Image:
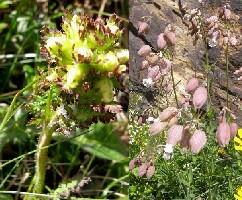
[(174, 87), (208, 174), (227, 75), (38, 180)]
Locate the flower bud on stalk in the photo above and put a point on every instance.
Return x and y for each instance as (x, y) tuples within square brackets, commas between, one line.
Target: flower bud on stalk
[(150, 171), (197, 141), (199, 97), (143, 28), (132, 164), (157, 127), (192, 85), (142, 169), (174, 134), (144, 50), (161, 42), (223, 134), (233, 130)]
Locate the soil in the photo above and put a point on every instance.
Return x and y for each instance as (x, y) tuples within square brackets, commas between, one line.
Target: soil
[(188, 58)]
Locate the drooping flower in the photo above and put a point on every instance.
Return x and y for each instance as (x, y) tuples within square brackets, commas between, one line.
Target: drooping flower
[(143, 28), (223, 134), (157, 127), (174, 134), (197, 141), (144, 50), (199, 97), (192, 85), (150, 171), (233, 130), (238, 140), (142, 169), (161, 42)]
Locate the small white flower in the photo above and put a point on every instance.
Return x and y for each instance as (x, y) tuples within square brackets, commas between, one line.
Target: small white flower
[(168, 148), (212, 42), (61, 111), (150, 119), (167, 156), (148, 82), (156, 120)]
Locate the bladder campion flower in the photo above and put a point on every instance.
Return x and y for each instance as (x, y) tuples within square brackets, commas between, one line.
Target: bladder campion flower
[(238, 140)]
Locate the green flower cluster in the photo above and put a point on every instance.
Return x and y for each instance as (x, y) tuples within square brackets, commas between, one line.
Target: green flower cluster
[(86, 52)]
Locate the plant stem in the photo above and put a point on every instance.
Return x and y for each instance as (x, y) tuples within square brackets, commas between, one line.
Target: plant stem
[(227, 75), (174, 87)]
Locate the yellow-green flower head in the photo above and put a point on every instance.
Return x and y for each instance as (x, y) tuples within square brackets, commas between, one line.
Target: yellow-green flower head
[(105, 89), (75, 74), (238, 140), (238, 196), (107, 62)]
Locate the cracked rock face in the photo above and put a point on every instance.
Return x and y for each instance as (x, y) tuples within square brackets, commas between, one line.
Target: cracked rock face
[(188, 59)]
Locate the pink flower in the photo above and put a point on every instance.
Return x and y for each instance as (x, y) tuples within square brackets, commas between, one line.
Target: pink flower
[(197, 141), (143, 27), (233, 41), (150, 171), (142, 170), (192, 85), (161, 42), (227, 14), (223, 134), (145, 63), (144, 50), (233, 130), (132, 164), (199, 97), (174, 134), (168, 113), (170, 36), (157, 127), (153, 71)]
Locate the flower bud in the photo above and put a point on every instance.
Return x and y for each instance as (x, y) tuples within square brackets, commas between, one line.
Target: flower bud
[(174, 134), (105, 89), (150, 171), (168, 113), (197, 141), (233, 130), (145, 63), (223, 134), (75, 75), (144, 50), (233, 41), (153, 71), (152, 59), (172, 121), (227, 14), (170, 36), (161, 42), (107, 62), (142, 170), (199, 97), (143, 28), (122, 55), (157, 127), (192, 85), (132, 164)]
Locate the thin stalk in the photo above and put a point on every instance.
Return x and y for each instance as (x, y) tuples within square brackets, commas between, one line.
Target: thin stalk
[(227, 75), (208, 174), (38, 180), (174, 87)]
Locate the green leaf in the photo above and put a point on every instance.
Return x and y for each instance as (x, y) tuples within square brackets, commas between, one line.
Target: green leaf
[(103, 142)]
